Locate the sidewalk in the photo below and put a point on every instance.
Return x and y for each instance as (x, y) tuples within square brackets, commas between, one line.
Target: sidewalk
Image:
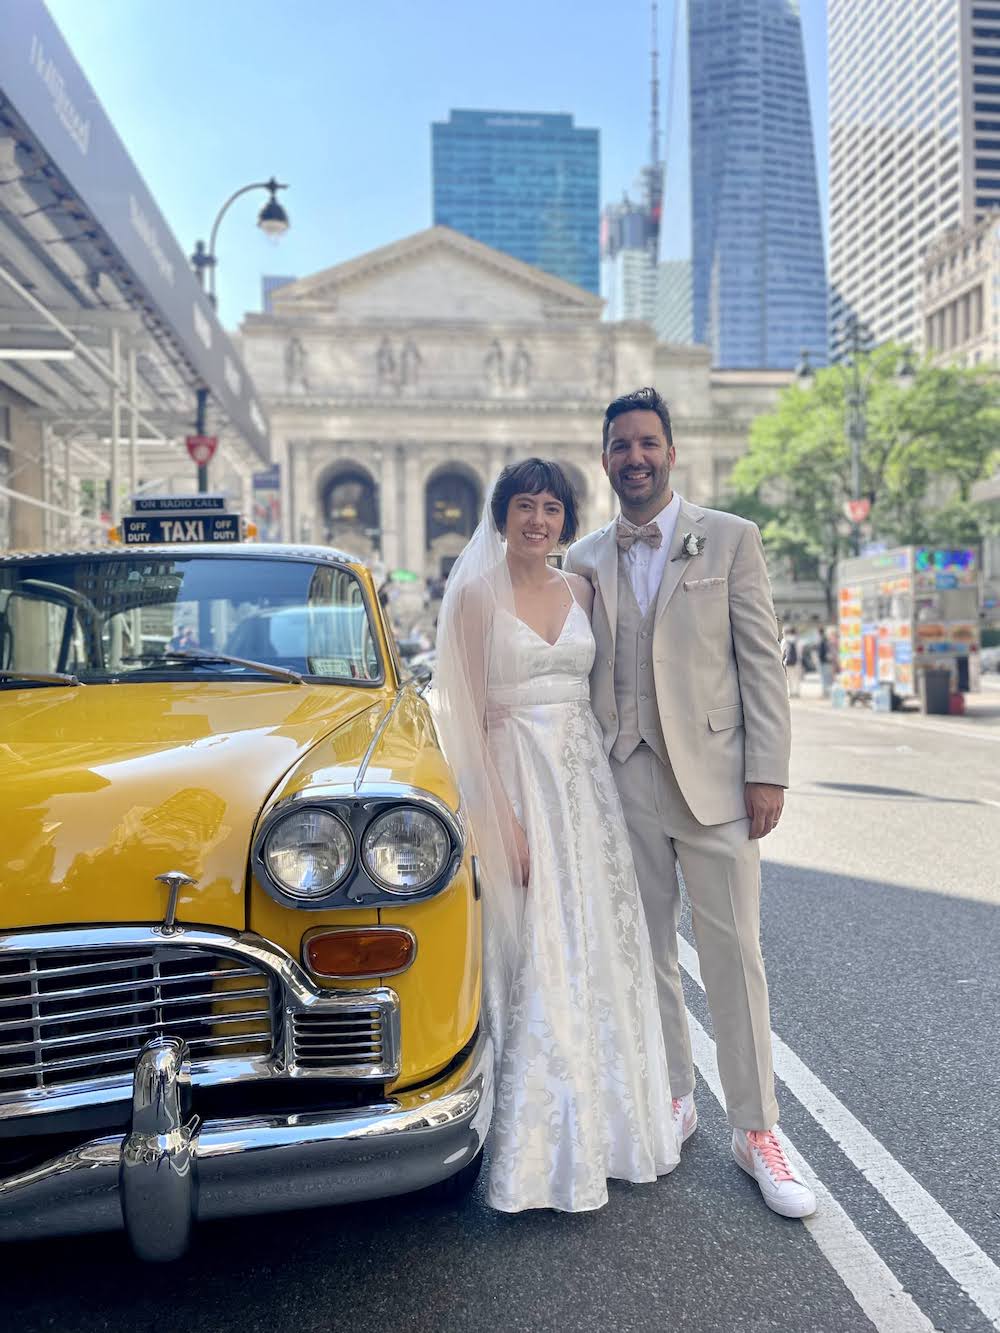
[(981, 718)]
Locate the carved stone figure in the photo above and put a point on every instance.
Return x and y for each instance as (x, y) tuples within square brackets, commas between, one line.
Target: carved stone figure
[(493, 364), (409, 363), (296, 366), (385, 366), (520, 367)]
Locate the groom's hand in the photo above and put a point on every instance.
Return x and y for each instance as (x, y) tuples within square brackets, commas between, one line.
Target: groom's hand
[(764, 804)]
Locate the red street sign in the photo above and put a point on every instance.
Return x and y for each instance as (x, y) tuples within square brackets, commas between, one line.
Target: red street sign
[(202, 447), (858, 510)]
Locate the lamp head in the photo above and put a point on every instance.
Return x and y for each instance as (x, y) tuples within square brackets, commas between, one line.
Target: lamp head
[(272, 218), (804, 370)]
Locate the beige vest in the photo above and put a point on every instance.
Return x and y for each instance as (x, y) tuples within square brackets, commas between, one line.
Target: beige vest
[(635, 692)]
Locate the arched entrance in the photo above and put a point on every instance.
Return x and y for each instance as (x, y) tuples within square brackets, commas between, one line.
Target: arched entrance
[(350, 507), (453, 502)]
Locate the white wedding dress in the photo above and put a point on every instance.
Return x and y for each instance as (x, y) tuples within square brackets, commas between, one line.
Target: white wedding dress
[(583, 1092)]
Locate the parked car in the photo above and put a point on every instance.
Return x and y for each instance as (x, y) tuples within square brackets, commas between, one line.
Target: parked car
[(240, 949)]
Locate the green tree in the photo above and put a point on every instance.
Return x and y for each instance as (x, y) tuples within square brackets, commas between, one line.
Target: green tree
[(925, 445)]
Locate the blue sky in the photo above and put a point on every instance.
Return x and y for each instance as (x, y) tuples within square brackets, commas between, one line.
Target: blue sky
[(337, 98)]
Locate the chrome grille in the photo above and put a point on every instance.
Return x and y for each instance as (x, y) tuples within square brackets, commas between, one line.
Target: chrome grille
[(84, 1014), (349, 1040)]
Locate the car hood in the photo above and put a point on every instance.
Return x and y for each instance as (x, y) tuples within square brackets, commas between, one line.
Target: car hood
[(102, 788)]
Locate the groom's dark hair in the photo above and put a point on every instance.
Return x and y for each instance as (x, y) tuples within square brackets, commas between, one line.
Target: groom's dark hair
[(639, 400), (532, 477)]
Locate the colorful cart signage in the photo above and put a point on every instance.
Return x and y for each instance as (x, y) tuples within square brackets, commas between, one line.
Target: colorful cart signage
[(906, 609)]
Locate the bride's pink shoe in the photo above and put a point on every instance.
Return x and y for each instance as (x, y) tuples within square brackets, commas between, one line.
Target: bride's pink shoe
[(761, 1155)]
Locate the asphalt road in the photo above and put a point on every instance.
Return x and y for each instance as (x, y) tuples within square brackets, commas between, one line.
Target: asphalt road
[(881, 933)]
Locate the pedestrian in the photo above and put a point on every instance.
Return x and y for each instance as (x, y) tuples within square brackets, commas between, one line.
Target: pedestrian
[(824, 651), (791, 655)]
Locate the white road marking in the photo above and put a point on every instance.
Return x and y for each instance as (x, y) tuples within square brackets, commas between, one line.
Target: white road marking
[(961, 729), (867, 1277), (985, 800), (956, 1251)]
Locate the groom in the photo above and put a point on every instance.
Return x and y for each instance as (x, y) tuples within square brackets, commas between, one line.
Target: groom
[(690, 692)]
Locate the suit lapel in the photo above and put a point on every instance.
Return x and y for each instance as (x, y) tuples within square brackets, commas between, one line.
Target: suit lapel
[(606, 566), (688, 520)]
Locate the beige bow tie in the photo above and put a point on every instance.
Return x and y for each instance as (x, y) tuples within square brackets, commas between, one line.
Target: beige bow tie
[(628, 534)]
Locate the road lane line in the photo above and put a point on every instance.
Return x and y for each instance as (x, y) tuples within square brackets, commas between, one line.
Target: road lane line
[(955, 1250), (874, 1286), (985, 800)]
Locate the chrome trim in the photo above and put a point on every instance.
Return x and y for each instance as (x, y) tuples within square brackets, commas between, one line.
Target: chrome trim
[(157, 1178), (175, 881), (299, 995), (380, 730), (356, 976), (357, 807), (263, 1163)]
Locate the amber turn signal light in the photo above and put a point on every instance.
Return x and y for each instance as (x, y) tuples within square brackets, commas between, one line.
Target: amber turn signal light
[(375, 951)]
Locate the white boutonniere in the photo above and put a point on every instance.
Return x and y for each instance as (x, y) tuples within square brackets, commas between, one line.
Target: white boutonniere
[(692, 544)]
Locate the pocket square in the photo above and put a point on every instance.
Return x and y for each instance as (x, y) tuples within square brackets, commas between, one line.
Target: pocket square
[(697, 585)]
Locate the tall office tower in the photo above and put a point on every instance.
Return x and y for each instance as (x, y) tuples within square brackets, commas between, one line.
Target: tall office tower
[(758, 271), (628, 266), (914, 148), (630, 232), (524, 184), (672, 319)]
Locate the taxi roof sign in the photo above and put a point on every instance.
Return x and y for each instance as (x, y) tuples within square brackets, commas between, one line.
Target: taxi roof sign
[(178, 504)]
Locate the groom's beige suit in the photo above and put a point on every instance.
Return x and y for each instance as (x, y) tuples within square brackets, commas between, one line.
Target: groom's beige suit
[(693, 704)]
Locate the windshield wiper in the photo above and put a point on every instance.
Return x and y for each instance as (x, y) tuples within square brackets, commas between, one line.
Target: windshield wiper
[(42, 677), (186, 655)]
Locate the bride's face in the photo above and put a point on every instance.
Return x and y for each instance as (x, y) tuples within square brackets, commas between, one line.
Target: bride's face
[(534, 524)]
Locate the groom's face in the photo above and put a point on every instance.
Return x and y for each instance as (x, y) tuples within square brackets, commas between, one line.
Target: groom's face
[(638, 461)]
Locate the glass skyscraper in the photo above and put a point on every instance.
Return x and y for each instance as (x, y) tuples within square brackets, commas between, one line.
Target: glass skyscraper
[(522, 183), (758, 272)]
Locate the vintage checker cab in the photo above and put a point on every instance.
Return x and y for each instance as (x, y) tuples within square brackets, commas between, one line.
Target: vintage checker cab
[(240, 937)]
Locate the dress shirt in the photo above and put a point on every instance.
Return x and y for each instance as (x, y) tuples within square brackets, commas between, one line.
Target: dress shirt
[(645, 566)]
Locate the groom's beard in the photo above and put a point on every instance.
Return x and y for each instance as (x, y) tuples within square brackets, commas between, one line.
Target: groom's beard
[(652, 499)]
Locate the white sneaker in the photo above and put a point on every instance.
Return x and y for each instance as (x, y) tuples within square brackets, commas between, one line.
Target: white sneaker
[(761, 1155), (685, 1118)]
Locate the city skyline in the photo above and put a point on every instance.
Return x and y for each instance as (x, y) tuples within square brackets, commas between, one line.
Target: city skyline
[(342, 115)]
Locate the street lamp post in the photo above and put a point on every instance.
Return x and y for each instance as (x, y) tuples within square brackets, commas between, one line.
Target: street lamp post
[(273, 221), (858, 340)]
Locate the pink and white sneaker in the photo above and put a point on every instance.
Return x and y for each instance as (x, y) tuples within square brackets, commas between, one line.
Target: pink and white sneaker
[(685, 1118), (761, 1155)]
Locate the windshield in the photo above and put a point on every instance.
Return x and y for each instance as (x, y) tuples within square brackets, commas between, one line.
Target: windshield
[(121, 618)]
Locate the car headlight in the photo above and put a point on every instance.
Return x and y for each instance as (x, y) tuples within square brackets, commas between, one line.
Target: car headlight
[(406, 849), (308, 853)]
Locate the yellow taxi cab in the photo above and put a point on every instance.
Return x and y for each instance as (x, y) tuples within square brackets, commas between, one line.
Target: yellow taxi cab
[(240, 937)]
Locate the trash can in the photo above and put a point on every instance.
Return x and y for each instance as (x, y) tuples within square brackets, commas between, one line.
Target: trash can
[(935, 689)]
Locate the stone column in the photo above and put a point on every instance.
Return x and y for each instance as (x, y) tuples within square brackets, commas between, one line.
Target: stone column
[(413, 518), (388, 498)]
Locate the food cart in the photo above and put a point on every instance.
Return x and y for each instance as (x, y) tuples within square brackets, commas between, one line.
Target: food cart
[(904, 611)]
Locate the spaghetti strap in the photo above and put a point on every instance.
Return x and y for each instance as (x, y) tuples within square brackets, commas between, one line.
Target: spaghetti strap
[(569, 585)]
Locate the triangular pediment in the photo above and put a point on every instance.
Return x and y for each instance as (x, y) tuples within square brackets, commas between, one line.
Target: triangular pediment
[(436, 274)]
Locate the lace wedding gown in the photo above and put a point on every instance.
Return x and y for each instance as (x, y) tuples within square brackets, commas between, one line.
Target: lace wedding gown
[(583, 1091)]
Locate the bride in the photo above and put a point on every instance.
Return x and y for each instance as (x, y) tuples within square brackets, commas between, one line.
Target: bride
[(569, 992)]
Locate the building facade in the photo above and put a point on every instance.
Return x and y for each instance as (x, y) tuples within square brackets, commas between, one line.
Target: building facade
[(914, 148), (672, 317), (960, 295), (522, 183), (758, 270), (424, 367)]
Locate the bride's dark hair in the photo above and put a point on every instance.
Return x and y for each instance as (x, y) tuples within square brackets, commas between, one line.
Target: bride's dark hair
[(532, 477)]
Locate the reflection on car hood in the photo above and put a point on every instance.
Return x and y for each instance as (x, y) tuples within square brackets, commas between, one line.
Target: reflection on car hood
[(103, 788)]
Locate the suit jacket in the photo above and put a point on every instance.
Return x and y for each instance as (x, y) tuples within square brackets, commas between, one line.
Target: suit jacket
[(720, 686)]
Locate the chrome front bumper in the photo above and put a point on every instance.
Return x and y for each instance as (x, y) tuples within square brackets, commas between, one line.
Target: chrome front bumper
[(172, 1170)]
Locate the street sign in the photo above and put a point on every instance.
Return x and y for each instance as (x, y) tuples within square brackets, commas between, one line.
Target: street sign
[(858, 510), (179, 504), (151, 529), (202, 447)]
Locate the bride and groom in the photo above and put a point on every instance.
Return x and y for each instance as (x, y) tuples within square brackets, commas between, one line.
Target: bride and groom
[(608, 724)]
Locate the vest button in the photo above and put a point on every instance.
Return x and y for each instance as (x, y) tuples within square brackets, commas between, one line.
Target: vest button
[(643, 634), (613, 717), (643, 696)]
